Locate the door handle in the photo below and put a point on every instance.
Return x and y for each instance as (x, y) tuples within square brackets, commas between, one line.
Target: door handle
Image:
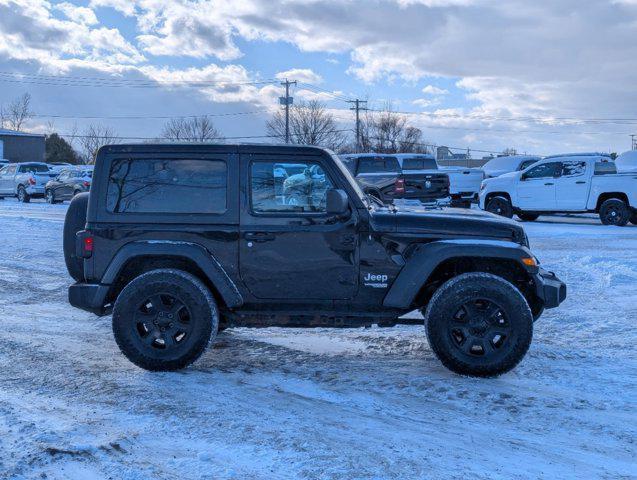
[(580, 182), (259, 236), (549, 183)]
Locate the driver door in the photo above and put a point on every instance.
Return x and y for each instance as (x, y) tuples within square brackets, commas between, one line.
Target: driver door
[(536, 187), (290, 248)]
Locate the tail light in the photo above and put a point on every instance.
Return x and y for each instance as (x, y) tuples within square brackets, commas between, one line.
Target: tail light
[(87, 184), (31, 180), (399, 186), (83, 244)]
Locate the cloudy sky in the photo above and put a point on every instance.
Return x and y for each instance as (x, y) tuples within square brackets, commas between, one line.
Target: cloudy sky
[(540, 76)]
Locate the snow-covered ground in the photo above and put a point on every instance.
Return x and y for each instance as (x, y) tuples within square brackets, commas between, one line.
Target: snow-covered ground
[(318, 404)]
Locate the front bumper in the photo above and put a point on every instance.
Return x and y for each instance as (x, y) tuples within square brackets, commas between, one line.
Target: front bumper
[(90, 297), (550, 289)]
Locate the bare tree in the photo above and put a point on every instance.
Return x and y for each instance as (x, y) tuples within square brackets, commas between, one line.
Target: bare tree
[(16, 113), (196, 129), (310, 124), (388, 131), (94, 137)]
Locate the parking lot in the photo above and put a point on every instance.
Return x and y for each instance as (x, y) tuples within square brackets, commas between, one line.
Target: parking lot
[(318, 403)]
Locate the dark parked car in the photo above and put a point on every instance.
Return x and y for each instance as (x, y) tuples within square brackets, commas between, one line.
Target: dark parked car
[(181, 241), (67, 184), (382, 176)]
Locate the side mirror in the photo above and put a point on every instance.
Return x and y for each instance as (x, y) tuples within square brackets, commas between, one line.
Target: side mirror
[(337, 202), (523, 177)]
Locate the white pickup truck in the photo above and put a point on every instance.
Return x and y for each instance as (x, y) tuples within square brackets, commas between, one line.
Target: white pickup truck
[(572, 183), (464, 183)]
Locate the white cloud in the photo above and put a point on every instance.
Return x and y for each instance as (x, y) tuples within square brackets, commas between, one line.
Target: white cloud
[(516, 58), (433, 90), (82, 15), (127, 7), (301, 74)]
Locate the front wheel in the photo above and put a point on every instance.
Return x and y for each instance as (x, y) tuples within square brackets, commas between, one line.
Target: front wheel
[(500, 206), (50, 197), (614, 212), (479, 324), (23, 196), (164, 319), (527, 217)]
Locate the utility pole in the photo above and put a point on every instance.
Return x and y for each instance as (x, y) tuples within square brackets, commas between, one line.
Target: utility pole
[(358, 106), (286, 102), (633, 142)]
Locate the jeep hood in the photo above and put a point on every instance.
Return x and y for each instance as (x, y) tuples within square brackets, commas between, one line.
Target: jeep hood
[(447, 222)]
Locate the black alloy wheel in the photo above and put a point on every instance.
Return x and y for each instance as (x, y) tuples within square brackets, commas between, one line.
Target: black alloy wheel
[(479, 328), (162, 322)]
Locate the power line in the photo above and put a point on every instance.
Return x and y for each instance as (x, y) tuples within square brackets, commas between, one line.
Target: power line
[(53, 80), (144, 117), (160, 139)]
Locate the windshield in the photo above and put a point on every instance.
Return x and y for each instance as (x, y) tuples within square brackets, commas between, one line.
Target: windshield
[(419, 163), (350, 179), (35, 169)]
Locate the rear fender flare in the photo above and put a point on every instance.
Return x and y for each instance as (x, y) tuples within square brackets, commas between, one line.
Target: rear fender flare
[(192, 251), (427, 257)]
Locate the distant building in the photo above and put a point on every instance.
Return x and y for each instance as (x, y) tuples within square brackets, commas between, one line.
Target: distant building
[(20, 146), (445, 153), (446, 157)]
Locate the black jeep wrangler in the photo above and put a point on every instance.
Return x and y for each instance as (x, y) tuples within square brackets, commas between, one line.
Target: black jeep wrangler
[(181, 241)]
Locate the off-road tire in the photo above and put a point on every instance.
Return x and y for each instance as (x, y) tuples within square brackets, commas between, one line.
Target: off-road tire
[(614, 212), (74, 221), (471, 288), (195, 297), (22, 195), (500, 206), (527, 217)]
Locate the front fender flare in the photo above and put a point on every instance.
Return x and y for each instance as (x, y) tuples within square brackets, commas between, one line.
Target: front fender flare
[(424, 260), (192, 251)]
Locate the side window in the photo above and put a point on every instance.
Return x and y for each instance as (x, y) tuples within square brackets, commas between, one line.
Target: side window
[(526, 163), (176, 186), (378, 165), (573, 168), (546, 170), (605, 168), (11, 170), (288, 187), (63, 176)]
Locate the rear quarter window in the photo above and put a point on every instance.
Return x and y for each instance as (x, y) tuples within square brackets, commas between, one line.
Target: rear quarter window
[(170, 186), (419, 163), (378, 165)]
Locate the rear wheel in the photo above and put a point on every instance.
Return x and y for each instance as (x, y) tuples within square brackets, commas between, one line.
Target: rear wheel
[(164, 319), (23, 196), (527, 217), (614, 212), (500, 206), (479, 324)]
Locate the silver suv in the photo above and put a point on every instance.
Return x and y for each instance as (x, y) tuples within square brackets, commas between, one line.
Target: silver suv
[(24, 180)]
